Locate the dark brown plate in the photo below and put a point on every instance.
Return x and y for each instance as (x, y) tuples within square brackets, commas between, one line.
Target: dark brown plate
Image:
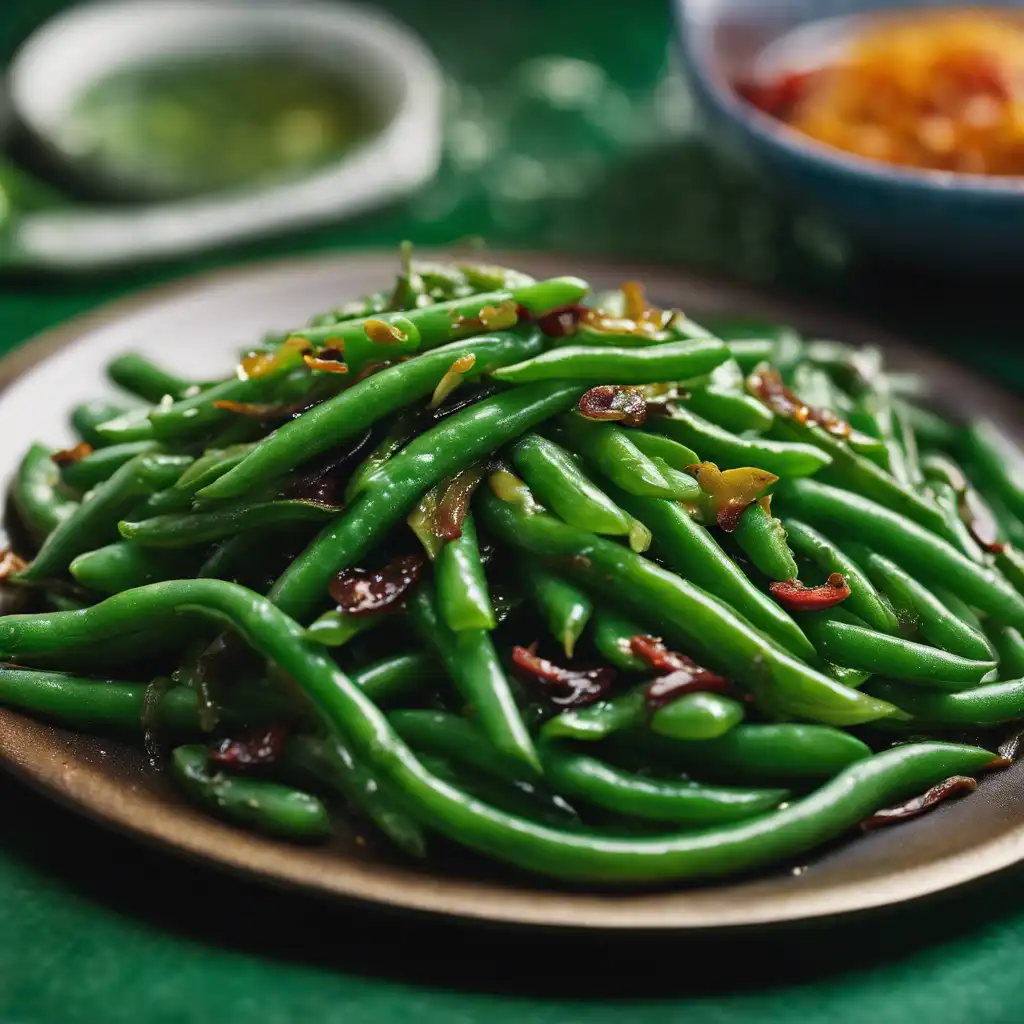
[(112, 783)]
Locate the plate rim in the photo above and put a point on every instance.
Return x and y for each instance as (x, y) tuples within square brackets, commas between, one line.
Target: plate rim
[(134, 811)]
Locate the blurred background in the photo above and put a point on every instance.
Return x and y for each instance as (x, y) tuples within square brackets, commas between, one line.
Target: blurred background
[(564, 127)]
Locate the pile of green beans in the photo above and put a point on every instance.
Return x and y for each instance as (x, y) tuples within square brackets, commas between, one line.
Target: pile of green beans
[(555, 577)]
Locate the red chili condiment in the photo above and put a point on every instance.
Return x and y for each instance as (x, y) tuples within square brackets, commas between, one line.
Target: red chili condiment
[(615, 403), (795, 597), (566, 687), (366, 591)]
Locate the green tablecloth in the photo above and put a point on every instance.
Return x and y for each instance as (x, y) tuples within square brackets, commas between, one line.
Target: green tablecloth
[(94, 927)]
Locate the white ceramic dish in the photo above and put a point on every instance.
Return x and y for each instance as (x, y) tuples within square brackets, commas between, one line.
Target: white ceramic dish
[(93, 40)]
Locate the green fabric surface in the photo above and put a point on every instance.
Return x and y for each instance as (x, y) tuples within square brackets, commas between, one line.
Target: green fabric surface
[(95, 927)]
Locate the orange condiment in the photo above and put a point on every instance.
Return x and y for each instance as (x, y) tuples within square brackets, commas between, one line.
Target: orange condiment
[(942, 90)]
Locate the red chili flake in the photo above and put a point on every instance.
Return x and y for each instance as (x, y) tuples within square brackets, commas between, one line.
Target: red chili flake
[(558, 323), (67, 456), (454, 502), (566, 687), (11, 564), (365, 591), (258, 747), (795, 597), (652, 650), (615, 402), (767, 385), (979, 520), (683, 674), (919, 804)]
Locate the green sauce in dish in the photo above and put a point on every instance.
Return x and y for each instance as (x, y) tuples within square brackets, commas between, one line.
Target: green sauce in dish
[(212, 123)]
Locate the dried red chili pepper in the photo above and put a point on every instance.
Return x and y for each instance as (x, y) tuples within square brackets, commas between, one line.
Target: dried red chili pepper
[(767, 385), (919, 804), (616, 403), (454, 502), (558, 323), (366, 591), (683, 674), (258, 747), (68, 456), (566, 687), (795, 597)]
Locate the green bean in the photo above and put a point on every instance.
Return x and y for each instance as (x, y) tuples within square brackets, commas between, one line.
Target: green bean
[(321, 763), (656, 446), (462, 595), (998, 460), (685, 803), (474, 666), (1009, 527), (907, 439), (444, 321), (857, 473), (350, 413), (676, 360), (187, 529), (785, 459), (762, 539), (693, 716), (778, 752), (688, 548), (212, 465), (101, 464), (932, 430), (251, 803), (935, 621), (723, 400), (565, 608), (857, 791), (697, 716), (864, 600), (957, 530), (908, 544), (140, 376), (985, 705), (1008, 644), (336, 628), (1010, 563), (124, 565), (612, 635), (446, 449), (610, 448), (36, 494), (398, 677), (881, 654), (94, 522), (682, 610), (559, 484), (191, 417), (95, 705), (129, 426), (748, 352), (85, 418)]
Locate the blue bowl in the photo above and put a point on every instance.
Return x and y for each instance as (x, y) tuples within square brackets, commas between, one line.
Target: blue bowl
[(964, 222)]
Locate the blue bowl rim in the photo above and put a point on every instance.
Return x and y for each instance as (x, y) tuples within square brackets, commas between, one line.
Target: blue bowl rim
[(692, 39)]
